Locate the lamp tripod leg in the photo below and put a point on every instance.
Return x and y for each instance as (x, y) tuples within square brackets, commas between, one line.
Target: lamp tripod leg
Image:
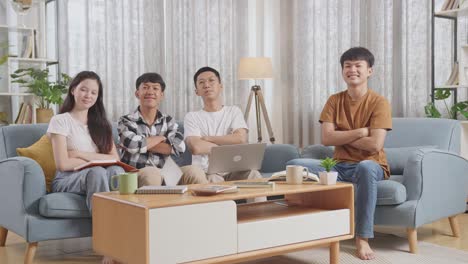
[(265, 116), (249, 103), (258, 116)]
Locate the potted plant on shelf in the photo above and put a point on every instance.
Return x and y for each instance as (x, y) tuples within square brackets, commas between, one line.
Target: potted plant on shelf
[(328, 177), (460, 108), (38, 83)]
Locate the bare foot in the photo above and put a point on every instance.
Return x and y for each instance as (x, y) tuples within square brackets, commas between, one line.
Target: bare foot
[(363, 250), (108, 260)]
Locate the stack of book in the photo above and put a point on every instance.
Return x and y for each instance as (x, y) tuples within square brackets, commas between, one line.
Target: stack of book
[(25, 114), (451, 4)]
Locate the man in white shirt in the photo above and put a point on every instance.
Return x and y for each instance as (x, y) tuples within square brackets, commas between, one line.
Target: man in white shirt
[(214, 125)]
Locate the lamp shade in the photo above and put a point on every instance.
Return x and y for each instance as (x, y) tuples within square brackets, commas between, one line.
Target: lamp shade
[(255, 68)]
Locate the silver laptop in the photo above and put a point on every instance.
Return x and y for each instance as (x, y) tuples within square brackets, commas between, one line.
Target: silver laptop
[(171, 172), (231, 158)]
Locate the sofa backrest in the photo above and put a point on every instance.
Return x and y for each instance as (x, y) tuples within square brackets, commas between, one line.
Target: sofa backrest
[(21, 136), (411, 132)]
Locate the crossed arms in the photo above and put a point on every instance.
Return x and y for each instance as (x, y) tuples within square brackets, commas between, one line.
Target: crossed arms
[(371, 140), (202, 145)]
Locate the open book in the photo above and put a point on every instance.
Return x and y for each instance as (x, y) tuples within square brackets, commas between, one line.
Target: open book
[(213, 189), (151, 189), (105, 163), (281, 176)]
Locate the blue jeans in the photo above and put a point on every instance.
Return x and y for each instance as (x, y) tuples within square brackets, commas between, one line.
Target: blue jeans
[(364, 175)]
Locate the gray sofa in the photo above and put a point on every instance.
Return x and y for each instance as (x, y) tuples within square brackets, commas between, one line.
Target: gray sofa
[(428, 179), (427, 183), (26, 208)]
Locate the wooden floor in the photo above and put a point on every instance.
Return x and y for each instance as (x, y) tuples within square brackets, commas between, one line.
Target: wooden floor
[(79, 250)]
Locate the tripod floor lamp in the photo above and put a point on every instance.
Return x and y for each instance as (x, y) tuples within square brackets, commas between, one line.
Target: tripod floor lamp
[(257, 68)]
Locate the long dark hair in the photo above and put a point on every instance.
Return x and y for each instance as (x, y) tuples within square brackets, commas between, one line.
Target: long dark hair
[(98, 125)]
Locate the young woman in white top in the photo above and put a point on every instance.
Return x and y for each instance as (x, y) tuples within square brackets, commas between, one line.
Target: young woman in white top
[(80, 133)]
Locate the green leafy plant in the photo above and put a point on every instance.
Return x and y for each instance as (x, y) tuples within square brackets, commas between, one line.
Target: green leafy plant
[(37, 81), (3, 52), (442, 94), (328, 163)]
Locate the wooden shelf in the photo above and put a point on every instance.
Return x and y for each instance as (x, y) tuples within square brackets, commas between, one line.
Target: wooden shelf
[(451, 86), (33, 60), (16, 94), (6, 27)]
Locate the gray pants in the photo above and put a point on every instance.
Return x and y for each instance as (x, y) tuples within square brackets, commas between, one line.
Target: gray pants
[(85, 182)]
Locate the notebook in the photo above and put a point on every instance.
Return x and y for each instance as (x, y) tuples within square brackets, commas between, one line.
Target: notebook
[(105, 163), (206, 190), (151, 189)]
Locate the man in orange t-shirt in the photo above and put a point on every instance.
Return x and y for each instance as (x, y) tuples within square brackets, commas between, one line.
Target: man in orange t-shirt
[(356, 122)]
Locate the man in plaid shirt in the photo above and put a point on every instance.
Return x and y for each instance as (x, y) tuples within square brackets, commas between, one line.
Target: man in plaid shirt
[(148, 137)]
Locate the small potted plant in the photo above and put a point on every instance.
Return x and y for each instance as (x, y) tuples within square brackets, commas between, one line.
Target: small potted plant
[(328, 177), (37, 81)]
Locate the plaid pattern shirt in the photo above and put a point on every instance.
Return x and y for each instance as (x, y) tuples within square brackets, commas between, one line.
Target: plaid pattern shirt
[(133, 131)]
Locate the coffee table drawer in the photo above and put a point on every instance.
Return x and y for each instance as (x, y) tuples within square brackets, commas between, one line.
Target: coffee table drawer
[(192, 232), (302, 224)]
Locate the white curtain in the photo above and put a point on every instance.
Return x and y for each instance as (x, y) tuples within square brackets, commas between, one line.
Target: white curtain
[(122, 39), (119, 40), (396, 32), (204, 33)]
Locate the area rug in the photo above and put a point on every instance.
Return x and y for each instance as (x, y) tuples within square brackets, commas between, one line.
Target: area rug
[(388, 248)]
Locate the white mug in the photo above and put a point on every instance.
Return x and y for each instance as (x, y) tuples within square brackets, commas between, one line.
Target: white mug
[(294, 174)]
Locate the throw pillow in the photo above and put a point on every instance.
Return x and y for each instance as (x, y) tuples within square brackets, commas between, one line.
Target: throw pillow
[(42, 153), (397, 157)]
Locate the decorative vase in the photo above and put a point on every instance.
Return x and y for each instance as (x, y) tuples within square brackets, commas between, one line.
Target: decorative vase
[(44, 115), (328, 178)]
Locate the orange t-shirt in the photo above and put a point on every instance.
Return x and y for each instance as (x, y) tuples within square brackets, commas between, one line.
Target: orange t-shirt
[(372, 111)]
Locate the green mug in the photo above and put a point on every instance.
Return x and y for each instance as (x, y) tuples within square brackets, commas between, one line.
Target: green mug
[(128, 183)]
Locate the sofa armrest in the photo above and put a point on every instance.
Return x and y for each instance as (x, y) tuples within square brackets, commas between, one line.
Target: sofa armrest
[(438, 180), (22, 184)]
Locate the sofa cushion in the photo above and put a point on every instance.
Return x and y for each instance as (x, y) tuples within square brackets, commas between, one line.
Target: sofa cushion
[(276, 156), (390, 192), (397, 157), (317, 152), (63, 205), (42, 153)]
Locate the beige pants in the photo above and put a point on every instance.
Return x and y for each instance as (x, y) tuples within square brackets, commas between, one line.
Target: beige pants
[(152, 176)]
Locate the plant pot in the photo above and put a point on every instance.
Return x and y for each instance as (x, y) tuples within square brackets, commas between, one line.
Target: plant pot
[(44, 115), (328, 178)]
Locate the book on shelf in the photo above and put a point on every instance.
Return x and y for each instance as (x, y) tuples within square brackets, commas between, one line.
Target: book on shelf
[(105, 163), (453, 78), (27, 118), (28, 43), (153, 189), (450, 4), (281, 176), (206, 190), (20, 113)]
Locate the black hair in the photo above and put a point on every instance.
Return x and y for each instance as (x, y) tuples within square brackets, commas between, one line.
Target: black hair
[(151, 77), (357, 53), (205, 69), (98, 125)]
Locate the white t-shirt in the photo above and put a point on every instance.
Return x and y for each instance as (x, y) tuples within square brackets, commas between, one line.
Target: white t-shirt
[(77, 134), (220, 123)]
